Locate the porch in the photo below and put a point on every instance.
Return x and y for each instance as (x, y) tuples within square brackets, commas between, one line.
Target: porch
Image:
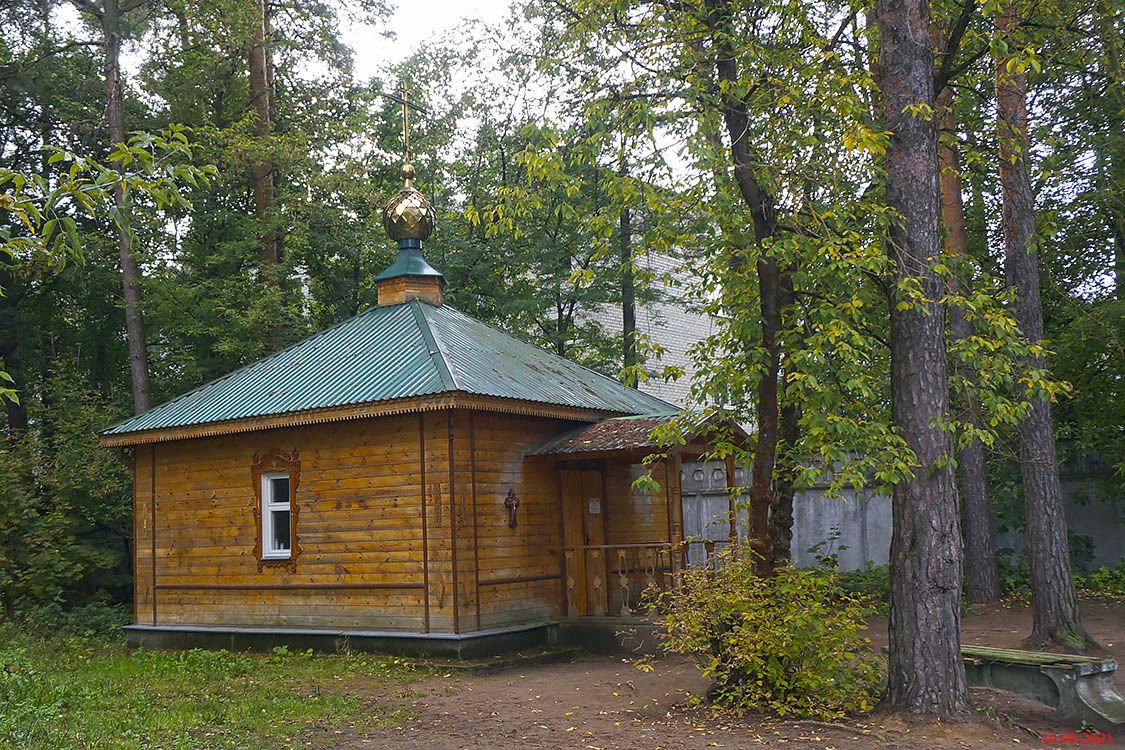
[(623, 541)]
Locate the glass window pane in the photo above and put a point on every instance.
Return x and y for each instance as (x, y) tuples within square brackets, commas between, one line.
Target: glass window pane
[(279, 490), (280, 522)]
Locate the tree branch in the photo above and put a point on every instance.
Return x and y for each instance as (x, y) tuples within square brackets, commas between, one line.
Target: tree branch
[(88, 6), (953, 46)]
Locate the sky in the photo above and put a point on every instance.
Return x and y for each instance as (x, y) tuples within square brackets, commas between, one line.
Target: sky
[(414, 22)]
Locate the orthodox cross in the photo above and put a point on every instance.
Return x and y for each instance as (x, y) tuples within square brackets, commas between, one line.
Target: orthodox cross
[(407, 105)]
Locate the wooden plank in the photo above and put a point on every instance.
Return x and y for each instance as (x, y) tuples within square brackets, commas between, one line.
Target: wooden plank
[(574, 541), (476, 523), (453, 525), (425, 539), (152, 529), (283, 586), (521, 579)]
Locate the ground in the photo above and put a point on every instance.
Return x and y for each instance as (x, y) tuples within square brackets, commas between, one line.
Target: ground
[(607, 703), (67, 693)]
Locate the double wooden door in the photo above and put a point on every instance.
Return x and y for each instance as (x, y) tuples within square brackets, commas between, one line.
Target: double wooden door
[(584, 524)]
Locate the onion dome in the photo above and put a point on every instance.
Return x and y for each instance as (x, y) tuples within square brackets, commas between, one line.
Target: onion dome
[(409, 218), (408, 215)]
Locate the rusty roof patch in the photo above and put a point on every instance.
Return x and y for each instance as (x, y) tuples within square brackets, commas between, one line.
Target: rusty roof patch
[(622, 433)]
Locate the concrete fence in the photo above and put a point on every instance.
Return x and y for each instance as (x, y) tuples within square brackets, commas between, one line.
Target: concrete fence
[(856, 526)]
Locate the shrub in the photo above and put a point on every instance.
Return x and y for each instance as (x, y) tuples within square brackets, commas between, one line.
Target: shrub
[(789, 643), (1104, 582), (871, 585), (1015, 572), (93, 620)]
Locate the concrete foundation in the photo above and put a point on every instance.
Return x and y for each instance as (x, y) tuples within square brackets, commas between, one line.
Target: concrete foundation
[(602, 635), (458, 646), (610, 635)]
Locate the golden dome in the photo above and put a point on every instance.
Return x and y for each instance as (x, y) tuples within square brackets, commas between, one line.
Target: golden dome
[(408, 214)]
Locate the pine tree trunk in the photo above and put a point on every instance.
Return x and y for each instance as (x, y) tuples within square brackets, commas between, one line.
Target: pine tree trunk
[(1054, 603), (983, 578), (925, 671), (130, 273), (262, 172)]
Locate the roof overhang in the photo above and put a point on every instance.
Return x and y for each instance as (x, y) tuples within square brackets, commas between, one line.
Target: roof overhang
[(632, 436), (454, 400)]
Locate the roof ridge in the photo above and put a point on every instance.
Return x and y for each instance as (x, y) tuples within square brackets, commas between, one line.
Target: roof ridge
[(568, 361), (390, 352), (245, 367), (437, 352)]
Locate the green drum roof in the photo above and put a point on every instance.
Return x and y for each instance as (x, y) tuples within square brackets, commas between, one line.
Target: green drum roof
[(399, 351)]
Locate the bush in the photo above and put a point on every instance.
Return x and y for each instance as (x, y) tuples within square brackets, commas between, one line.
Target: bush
[(93, 620), (1015, 572), (1108, 583), (872, 586), (789, 643)]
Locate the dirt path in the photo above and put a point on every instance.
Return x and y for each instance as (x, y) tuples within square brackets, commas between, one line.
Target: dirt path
[(606, 703)]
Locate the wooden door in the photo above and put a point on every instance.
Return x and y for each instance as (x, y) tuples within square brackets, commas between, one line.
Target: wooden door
[(584, 534)]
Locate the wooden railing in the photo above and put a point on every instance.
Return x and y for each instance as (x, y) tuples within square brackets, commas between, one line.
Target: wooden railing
[(632, 572), (619, 579), (702, 551)]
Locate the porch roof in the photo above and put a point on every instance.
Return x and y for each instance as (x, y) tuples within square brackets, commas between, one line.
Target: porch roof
[(617, 434), (634, 433)]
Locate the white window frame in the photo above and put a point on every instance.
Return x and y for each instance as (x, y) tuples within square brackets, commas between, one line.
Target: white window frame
[(269, 505)]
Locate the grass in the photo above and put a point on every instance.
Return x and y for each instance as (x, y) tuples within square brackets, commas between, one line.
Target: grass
[(66, 692)]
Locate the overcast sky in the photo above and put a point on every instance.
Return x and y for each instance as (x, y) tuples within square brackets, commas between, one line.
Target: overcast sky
[(414, 22)]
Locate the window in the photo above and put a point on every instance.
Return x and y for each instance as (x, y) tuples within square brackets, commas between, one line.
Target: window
[(276, 476), (277, 526)]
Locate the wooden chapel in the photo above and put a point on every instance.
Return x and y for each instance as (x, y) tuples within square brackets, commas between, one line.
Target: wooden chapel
[(410, 479)]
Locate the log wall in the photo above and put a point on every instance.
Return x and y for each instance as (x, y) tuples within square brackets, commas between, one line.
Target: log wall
[(391, 534)]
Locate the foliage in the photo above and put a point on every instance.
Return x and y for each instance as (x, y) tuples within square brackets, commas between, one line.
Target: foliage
[(38, 215), (93, 620), (65, 507), (789, 643), (550, 223), (1105, 582), (1102, 582), (53, 690), (870, 585), (1015, 573)]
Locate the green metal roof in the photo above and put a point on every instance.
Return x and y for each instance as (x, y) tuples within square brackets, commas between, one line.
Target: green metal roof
[(393, 352), (409, 262)]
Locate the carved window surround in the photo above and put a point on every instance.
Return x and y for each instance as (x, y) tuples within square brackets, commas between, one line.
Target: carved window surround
[(276, 461)]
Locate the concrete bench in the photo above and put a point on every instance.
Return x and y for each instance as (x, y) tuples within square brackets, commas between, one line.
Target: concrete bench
[(1079, 687)]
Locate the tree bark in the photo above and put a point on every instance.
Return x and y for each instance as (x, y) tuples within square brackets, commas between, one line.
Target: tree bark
[(983, 578), (770, 283), (130, 273), (925, 672), (1056, 620), (781, 510), (262, 172)]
